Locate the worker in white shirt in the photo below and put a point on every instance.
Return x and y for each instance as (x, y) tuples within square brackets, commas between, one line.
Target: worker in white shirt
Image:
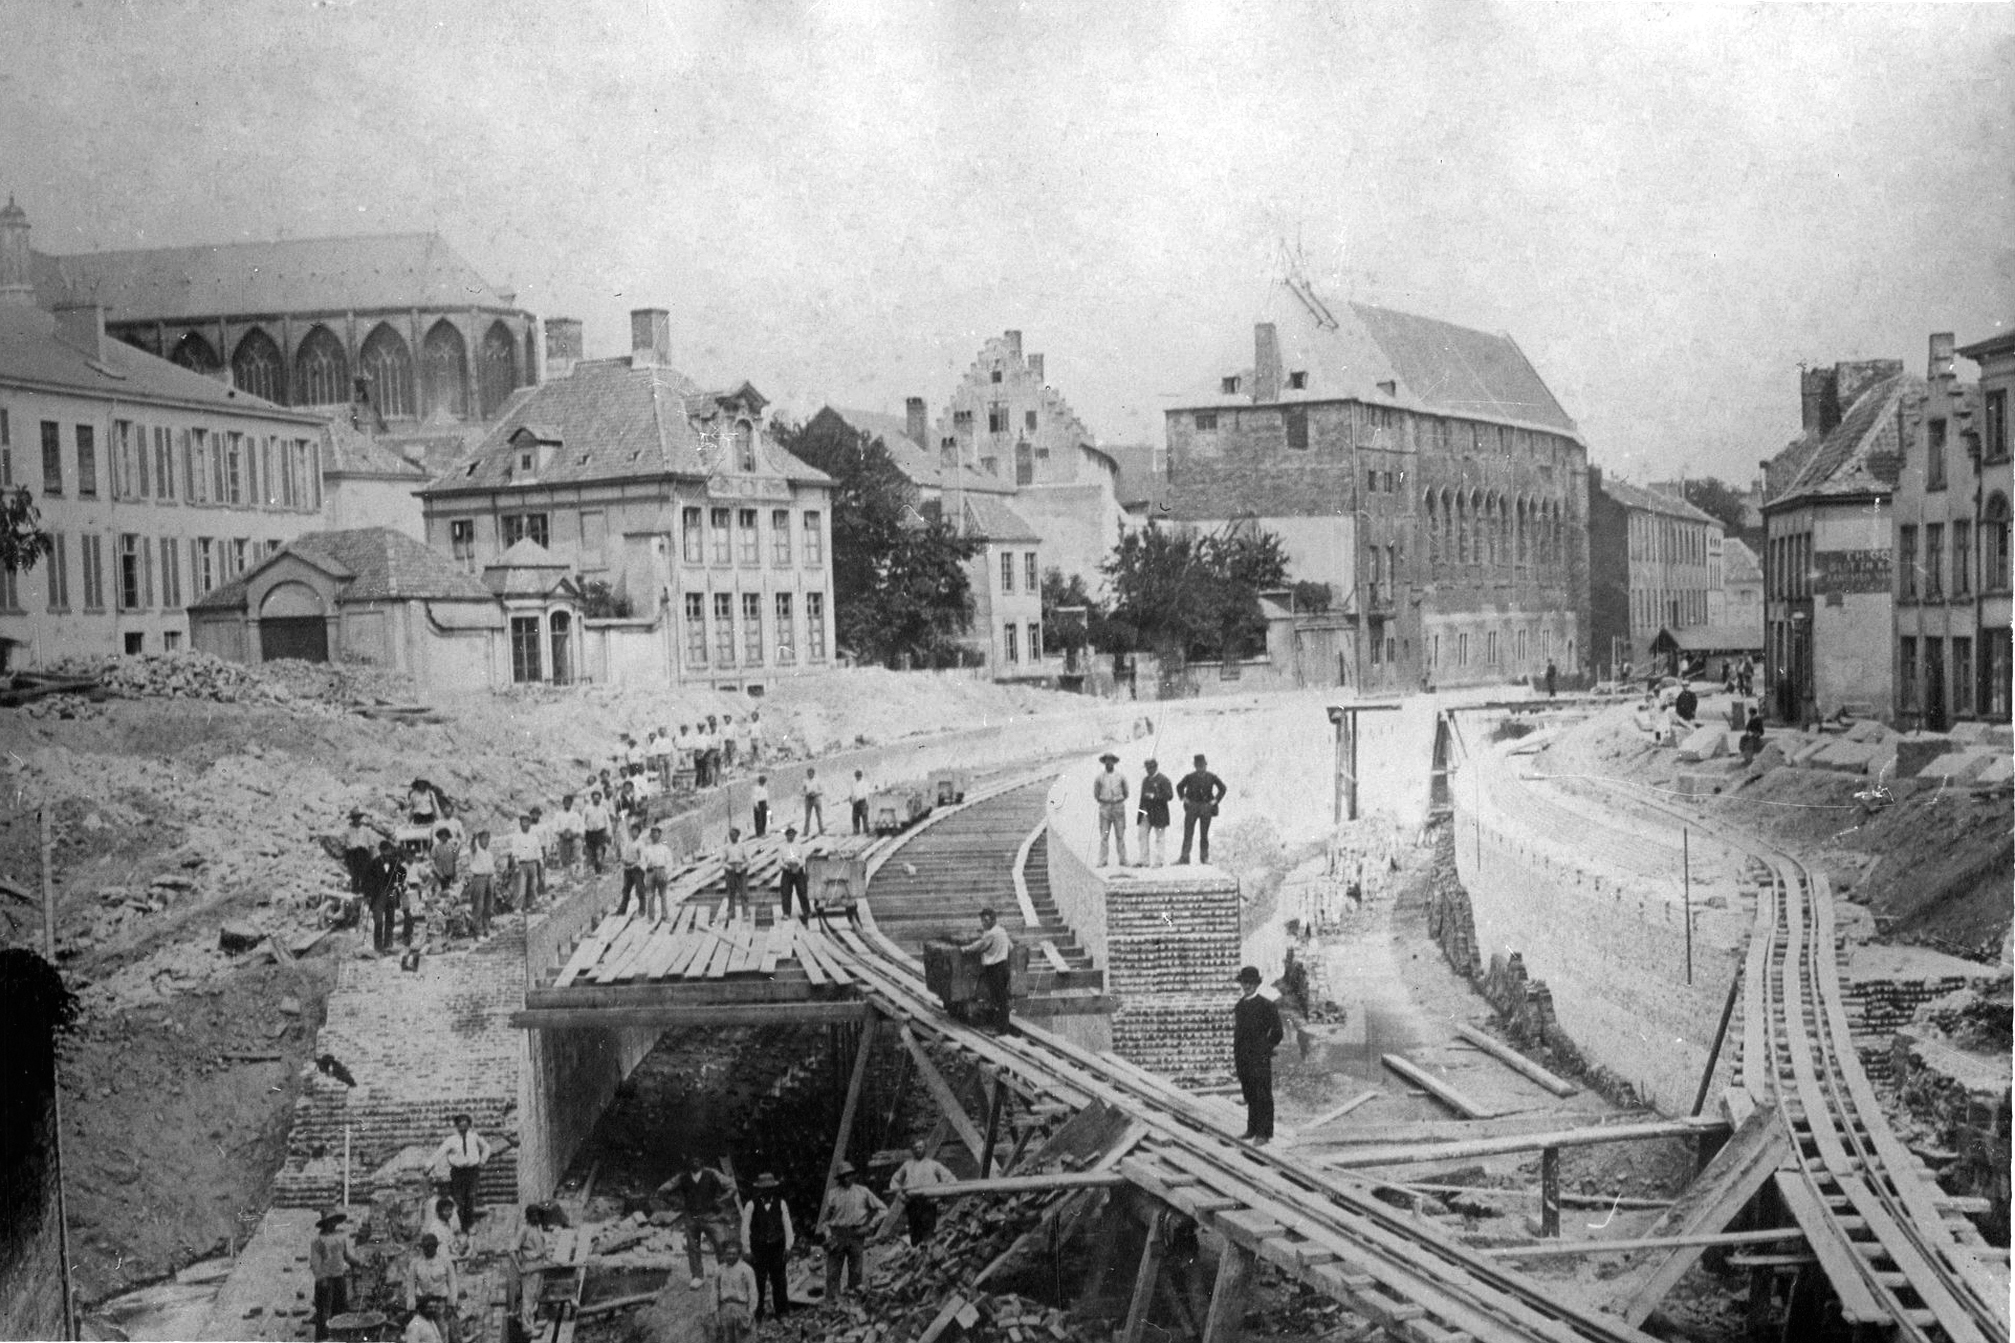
[(994, 946), (657, 874), (857, 795), (595, 829), (431, 1277), (542, 835), (568, 827), (482, 885), (1109, 790), (423, 1326), (920, 1171), (753, 734), (815, 804), (633, 756), (660, 757), (791, 877), (461, 1156), (735, 867), (759, 800), (729, 740), (526, 857), (703, 756)]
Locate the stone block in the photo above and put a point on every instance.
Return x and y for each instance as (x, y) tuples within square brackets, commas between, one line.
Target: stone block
[(2001, 735), (1957, 766), (1917, 750), (1883, 766), (2000, 769), (1704, 743), (1868, 732), (1700, 785), (1846, 757), (1802, 755), (1970, 733)]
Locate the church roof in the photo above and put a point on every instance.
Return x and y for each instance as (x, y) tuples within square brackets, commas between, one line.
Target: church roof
[(614, 421), (297, 275), (377, 563)]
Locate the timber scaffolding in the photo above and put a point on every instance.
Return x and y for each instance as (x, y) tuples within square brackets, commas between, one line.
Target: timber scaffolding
[(1811, 1149)]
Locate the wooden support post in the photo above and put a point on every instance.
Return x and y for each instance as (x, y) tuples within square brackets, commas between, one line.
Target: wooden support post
[(1549, 1191), (1151, 1254), (1104, 1252), (942, 1093), (1226, 1320), (993, 1127), (1720, 1036), (862, 1049)]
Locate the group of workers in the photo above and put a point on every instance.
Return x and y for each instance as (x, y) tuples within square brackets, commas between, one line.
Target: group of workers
[(1200, 792), (704, 750)]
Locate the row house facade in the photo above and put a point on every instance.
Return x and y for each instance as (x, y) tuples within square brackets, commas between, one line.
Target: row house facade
[(1421, 469), (673, 497), (1951, 516), (1652, 559), (155, 484)]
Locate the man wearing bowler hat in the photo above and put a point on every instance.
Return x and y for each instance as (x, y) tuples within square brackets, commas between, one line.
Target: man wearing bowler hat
[(767, 1231), (1156, 792), (1109, 791), (1255, 1035)]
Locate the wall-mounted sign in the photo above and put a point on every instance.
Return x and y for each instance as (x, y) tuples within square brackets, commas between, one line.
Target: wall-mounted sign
[(747, 487), (1842, 571)]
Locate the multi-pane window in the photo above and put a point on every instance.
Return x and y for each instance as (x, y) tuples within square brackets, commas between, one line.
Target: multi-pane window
[(133, 584), (997, 418), (1906, 561), (1906, 672), (235, 489), (1007, 571), (1994, 427), (1034, 642), (59, 572), (1962, 676), (164, 462), (1031, 579), (91, 556), (6, 450), (122, 459), (171, 574), (241, 551), (752, 629), (1962, 558), (696, 627), (1462, 650), (815, 626), (52, 457), (1010, 643), (787, 632), (534, 527), (718, 522), (1934, 455), (745, 446), (462, 541), (815, 541), (780, 537), (1934, 560), (750, 539), (87, 461), (203, 568), (692, 537), (724, 627), (196, 465)]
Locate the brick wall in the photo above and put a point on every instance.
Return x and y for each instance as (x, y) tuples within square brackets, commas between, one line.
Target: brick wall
[(568, 1080)]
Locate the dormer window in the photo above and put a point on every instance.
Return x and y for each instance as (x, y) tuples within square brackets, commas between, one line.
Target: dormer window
[(745, 446), (1297, 381), (528, 460), (1230, 385)]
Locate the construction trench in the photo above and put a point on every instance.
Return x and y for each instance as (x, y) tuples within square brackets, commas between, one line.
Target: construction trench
[(1476, 1141)]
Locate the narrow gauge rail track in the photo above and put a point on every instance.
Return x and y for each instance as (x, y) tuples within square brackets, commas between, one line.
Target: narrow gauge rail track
[(1869, 1212), (1323, 1227)]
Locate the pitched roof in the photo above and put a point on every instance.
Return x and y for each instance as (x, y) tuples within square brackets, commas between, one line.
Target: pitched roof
[(991, 520), (918, 463), (358, 273), (614, 421), (377, 564), (30, 352), (1713, 638), (358, 452), (1739, 563), (1860, 456), (1654, 501), (1346, 351), (1980, 349)]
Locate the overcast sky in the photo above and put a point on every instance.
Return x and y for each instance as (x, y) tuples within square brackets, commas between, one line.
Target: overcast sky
[(1670, 207)]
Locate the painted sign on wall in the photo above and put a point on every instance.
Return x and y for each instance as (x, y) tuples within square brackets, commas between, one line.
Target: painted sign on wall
[(1844, 571)]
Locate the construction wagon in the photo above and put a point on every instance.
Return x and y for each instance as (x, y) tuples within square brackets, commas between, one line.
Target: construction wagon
[(954, 976)]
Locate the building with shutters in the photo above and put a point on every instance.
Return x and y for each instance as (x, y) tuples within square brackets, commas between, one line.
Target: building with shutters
[(1651, 565), (155, 483), (1422, 470), (632, 476)]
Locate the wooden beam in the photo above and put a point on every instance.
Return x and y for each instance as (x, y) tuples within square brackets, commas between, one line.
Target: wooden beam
[(1436, 1088), (993, 1126), (751, 1014), (855, 1085), (942, 1093), (1549, 1192), (686, 994), (1581, 1247), (1225, 1322), (1404, 1154), (1516, 1061), (1023, 1184), (1151, 1255), (1328, 1116)]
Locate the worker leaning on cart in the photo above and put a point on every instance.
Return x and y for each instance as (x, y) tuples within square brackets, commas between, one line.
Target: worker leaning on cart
[(994, 946)]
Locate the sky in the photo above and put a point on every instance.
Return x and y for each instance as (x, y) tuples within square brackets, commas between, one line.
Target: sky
[(1670, 207)]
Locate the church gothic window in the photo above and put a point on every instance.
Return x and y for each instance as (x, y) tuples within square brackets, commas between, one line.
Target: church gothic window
[(256, 368), (193, 352), (388, 363), (321, 370), (444, 359), (496, 369)]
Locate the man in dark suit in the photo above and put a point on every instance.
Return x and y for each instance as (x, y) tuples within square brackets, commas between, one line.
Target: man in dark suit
[(1200, 791), (1255, 1035)]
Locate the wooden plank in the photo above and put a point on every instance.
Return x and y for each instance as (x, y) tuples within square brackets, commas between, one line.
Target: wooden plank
[(1570, 1249), (941, 1092), (612, 960), (1400, 1154), (1144, 1279), (1024, 1184), (1448, 1095), (813, 970), (1226, 1321), (1516, 1061), (862, 1049), (591, 948), (1054, 957), (773, 948), (723, 1014), (1329, 1116)]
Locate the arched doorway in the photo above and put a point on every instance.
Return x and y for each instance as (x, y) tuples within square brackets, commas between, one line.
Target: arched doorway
[(562, 626), (496, 369), (256, 367), (321, 370), (293, 624), (444, 370), (388, 363)]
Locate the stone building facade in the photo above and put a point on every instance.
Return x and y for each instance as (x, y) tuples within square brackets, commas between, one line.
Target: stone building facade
[(1651, 561), (672, 495), (1996, 491), (1421, 469)]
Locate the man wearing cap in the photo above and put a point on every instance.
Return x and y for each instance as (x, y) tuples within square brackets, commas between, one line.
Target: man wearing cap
[(526, 856), (1255, 1034), (735, 867), (1109, 790), (1156, 792), (431, 1278), (849, 1211), (857, 795), (462, 1154), (767, 1231), (994, 947), (815, 803), (1200, 791), (920, 1171), (699, 1189), (330, 1260), (791, 877)]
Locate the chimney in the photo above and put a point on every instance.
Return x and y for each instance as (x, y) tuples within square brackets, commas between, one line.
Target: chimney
[(1035, 368), (650, 338), (1265, 364), (563, 346), (81, 326), (17, 276), (913, 421), (1013, 339), (1594, 478), (1818, 400), (1941, 369)]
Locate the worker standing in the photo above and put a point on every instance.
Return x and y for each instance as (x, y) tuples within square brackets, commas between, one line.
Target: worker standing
[(815, 805), (759, 800), (1255, 1035), (1200, 791), (767, 1231), (482, 884), (735, 867), (1552, 678), (525, 858), (359, 844), (920, 1171), (387, 889), (1110, 792), (330, 1259), (857, 794), (735, 1293), (431, 1277), (699, 1189), (994, 947), (568, 827), (658, 875), (460, 1158), (1156, 792), (849, 1209), (632, 844), (791, 877), (595, 829)]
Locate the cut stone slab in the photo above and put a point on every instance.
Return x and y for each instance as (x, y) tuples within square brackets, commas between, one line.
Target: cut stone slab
[(1802, 756), (1917, 750), (1868, 732), (1972, 733), (1957, 766), (1704, 743), (2000, 769), (1846, 757)]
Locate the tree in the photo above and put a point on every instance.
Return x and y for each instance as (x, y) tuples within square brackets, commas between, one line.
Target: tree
[(599, 601), (1725, 504), (1193, 594), (22, 540), (900, 590)]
